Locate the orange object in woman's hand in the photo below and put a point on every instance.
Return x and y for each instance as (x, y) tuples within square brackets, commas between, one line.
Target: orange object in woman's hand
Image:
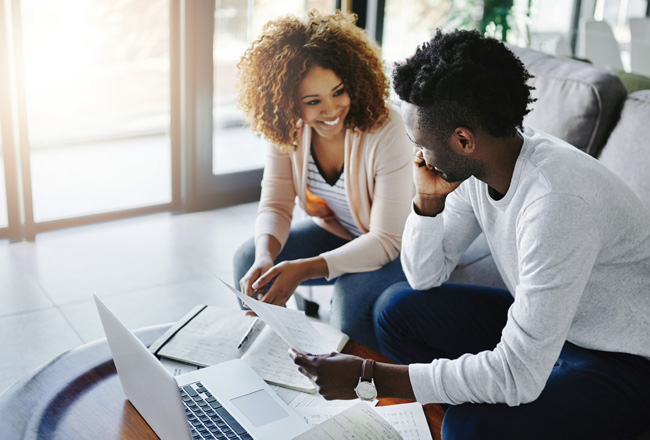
[(318, 207)]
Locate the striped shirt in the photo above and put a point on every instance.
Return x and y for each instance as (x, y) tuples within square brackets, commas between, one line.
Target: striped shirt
[(334, 195)]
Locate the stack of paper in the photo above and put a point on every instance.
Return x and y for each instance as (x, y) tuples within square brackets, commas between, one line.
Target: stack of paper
[(209, 335)]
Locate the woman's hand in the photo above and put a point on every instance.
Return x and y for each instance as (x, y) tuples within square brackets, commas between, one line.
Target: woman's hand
[(335, 375), (317, 207), (322, 211), (259, 267), (267, 248), (285, 277)]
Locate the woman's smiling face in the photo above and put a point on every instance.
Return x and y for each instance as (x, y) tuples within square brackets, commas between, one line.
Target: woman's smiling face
[(324, 102)]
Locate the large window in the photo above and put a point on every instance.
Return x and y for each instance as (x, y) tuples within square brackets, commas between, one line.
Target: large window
[(114, 108), (97, 105), (5, 119), (4, 219), (542, 24), (117, 108), (617, 14), (408, 23), (549, 25)]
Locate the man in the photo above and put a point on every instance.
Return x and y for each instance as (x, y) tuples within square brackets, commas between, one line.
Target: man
[(565, 351)]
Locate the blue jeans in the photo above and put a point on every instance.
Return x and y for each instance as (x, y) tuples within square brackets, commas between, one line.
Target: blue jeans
[(590, 394), (354, 293)]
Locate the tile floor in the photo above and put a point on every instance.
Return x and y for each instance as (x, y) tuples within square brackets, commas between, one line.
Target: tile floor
[(149, 270)]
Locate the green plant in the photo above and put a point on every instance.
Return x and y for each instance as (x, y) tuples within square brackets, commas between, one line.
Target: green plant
[(496, 13), (500, 19)]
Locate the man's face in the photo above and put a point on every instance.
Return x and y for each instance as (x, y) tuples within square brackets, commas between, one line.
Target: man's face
[(437, 153)]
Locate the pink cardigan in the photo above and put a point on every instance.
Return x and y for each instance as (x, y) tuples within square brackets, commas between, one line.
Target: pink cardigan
[(379, 187)]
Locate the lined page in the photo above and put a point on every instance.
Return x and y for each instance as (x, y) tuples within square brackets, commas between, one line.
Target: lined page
[(211, 337), (359, 422), (408, 418)]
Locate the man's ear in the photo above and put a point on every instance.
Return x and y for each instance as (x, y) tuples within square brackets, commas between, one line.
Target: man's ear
[(463, 141)]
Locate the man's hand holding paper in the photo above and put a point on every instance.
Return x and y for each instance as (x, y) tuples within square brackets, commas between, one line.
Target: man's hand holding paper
[(335, 375)]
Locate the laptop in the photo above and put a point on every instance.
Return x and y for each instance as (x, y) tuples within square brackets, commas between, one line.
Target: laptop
[(234, 401)]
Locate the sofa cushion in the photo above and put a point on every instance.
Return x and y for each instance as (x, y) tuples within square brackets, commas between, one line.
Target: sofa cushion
[(633, 81), (627, 151), (576, 101)]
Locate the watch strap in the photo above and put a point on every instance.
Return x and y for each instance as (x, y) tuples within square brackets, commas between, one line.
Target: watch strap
[(367, 370)]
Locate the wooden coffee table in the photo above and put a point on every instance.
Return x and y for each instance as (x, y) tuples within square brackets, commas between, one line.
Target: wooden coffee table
[(78, 395)]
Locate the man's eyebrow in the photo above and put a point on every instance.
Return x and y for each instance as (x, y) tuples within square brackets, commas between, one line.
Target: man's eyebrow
[(315, 96)]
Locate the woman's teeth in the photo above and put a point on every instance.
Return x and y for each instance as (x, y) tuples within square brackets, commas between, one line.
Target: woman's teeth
[(334, 122)]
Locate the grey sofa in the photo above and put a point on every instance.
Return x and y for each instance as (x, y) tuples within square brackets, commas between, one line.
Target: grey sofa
[(588, 107)]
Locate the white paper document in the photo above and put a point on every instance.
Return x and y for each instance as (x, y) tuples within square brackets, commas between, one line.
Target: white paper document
[(407, 418), (209, 335), (176, 368), (292, 325), (359, 422), (299, 399), (269, 357)]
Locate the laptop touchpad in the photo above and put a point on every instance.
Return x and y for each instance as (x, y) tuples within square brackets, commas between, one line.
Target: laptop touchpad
[(259, 408)]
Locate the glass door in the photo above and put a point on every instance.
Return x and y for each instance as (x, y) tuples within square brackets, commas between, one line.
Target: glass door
[(7, 191), (4, 214), (110, 109), (617, 14), (96, 76)]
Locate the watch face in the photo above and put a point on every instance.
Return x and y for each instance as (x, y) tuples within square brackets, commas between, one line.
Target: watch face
[(366, 390)]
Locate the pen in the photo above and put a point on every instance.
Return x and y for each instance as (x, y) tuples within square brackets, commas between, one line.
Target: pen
[(249, 332)]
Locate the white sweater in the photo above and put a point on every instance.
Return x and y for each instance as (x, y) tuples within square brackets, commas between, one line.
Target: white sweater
[(572, 243)]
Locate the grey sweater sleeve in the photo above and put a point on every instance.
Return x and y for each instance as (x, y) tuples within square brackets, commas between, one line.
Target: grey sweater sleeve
[(555, 250), (432, 246)]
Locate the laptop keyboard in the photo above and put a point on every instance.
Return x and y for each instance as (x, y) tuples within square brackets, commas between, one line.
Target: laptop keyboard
[(207, 418)]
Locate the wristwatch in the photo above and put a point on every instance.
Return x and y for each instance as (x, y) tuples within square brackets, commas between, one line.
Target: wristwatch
[(366, 389)]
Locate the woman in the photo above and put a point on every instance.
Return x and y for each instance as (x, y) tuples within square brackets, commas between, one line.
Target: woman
[(317, 92)]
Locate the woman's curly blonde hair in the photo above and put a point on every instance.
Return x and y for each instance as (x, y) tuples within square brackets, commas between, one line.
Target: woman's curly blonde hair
[(276, 63)]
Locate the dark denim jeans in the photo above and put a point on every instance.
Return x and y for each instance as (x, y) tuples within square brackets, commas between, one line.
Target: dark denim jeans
[(354, 293), (589, 395)]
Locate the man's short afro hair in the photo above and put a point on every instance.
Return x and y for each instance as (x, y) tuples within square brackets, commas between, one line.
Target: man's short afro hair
[(464, 79)]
